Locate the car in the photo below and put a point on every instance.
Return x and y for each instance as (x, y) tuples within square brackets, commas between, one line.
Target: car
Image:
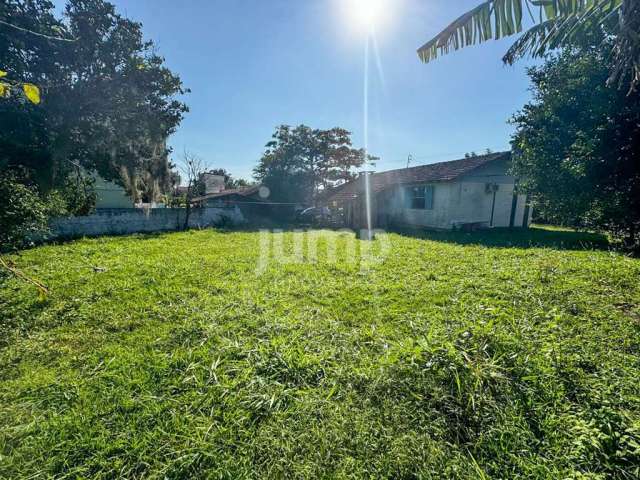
[(314, 215)]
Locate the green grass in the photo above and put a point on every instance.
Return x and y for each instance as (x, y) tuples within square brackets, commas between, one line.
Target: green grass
[(485, 355)]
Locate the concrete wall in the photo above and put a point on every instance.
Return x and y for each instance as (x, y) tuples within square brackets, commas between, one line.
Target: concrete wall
[(134, 220)]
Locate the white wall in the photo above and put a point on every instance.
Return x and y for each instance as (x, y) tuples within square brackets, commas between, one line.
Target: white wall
[(438, 217), (110, 195), (136, 220)]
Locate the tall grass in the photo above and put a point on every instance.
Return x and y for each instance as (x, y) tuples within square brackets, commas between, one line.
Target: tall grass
[(460, 356)]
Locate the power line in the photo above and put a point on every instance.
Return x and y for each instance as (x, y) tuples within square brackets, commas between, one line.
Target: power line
[(48, 37)]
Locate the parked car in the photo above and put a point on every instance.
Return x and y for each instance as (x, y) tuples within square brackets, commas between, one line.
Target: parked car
[(314, 216)]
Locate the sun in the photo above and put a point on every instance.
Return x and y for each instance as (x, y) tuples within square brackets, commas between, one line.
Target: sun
[(366, 14)]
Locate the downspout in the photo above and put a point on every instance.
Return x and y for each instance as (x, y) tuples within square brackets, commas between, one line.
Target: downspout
[(514, 206), (493, 207), (525, 220)]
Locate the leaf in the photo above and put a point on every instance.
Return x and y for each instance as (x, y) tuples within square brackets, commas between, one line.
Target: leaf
[(506, 18), (32, 93), (3, 73)]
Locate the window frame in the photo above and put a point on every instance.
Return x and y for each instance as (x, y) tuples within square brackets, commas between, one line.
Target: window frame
[(419, 197)]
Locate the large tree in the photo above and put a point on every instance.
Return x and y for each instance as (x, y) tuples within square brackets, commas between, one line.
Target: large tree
[(555, 24), (108, 102), (301, 162), (576, 145)]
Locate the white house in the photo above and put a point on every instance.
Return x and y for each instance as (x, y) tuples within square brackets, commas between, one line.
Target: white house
[(110, 195), (475, 192)]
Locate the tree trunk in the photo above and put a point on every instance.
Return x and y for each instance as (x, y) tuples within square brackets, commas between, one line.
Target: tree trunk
[(187, 214)]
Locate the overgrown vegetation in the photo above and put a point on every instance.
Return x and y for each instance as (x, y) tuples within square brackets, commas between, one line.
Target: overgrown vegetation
[(106, 102), (23, 213), (493, 355), (576, 145)]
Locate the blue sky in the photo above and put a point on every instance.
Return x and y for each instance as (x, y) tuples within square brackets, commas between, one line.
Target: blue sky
[(255, 64)]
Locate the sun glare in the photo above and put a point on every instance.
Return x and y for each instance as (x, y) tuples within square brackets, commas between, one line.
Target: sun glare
[(366, 14)]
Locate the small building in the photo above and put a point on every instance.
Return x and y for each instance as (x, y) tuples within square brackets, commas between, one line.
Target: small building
[(110, 195), (249, 195), (253, 202), (213, 183), (474, 192)]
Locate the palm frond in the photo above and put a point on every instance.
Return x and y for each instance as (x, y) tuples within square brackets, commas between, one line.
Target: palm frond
[(502, 18), (563, 31), (626, 61)]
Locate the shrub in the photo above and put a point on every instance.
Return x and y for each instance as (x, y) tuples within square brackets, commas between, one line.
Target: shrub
[(22, 212)]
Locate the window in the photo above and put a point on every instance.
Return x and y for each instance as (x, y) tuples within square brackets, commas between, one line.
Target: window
[(420, 198)]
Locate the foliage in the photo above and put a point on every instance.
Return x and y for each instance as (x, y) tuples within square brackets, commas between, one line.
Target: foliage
[(462, 356), (8, 87), (576, 145), (23, 213), (75, 197), (108, 102), (301, 162), (557, 24)]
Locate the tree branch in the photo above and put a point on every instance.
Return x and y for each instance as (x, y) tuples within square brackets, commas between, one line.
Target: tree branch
[(19, 274)]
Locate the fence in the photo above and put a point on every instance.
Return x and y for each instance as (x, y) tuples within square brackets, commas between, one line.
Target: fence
[(122, 221)]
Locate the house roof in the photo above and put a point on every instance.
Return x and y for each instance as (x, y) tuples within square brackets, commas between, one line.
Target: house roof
[(435, 172), (242, 192)]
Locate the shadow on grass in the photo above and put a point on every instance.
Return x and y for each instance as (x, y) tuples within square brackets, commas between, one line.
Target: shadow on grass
[(534, 237)]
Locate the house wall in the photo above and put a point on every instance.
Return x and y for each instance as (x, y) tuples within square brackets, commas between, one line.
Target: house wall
[(461, 202), (394, 208), (135, 220), (470, 203), (111, 195)]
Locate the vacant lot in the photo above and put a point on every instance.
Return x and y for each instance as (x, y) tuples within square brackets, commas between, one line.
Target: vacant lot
[(459, 356)]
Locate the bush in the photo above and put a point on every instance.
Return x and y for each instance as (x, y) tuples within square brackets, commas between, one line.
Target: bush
[(76, 196), (22, 212)]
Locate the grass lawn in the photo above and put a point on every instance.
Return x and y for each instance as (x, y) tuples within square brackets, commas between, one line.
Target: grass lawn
[(484, 355)]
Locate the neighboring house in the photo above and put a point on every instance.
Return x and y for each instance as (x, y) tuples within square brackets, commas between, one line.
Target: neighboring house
[(110, 195), (252, 202), (213, 183), (249, 195), (475, 192)]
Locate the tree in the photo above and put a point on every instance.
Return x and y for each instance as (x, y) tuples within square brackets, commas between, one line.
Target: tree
[(108, 102), (557, 24), (193, 167), (576, 144), (301, 162)]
